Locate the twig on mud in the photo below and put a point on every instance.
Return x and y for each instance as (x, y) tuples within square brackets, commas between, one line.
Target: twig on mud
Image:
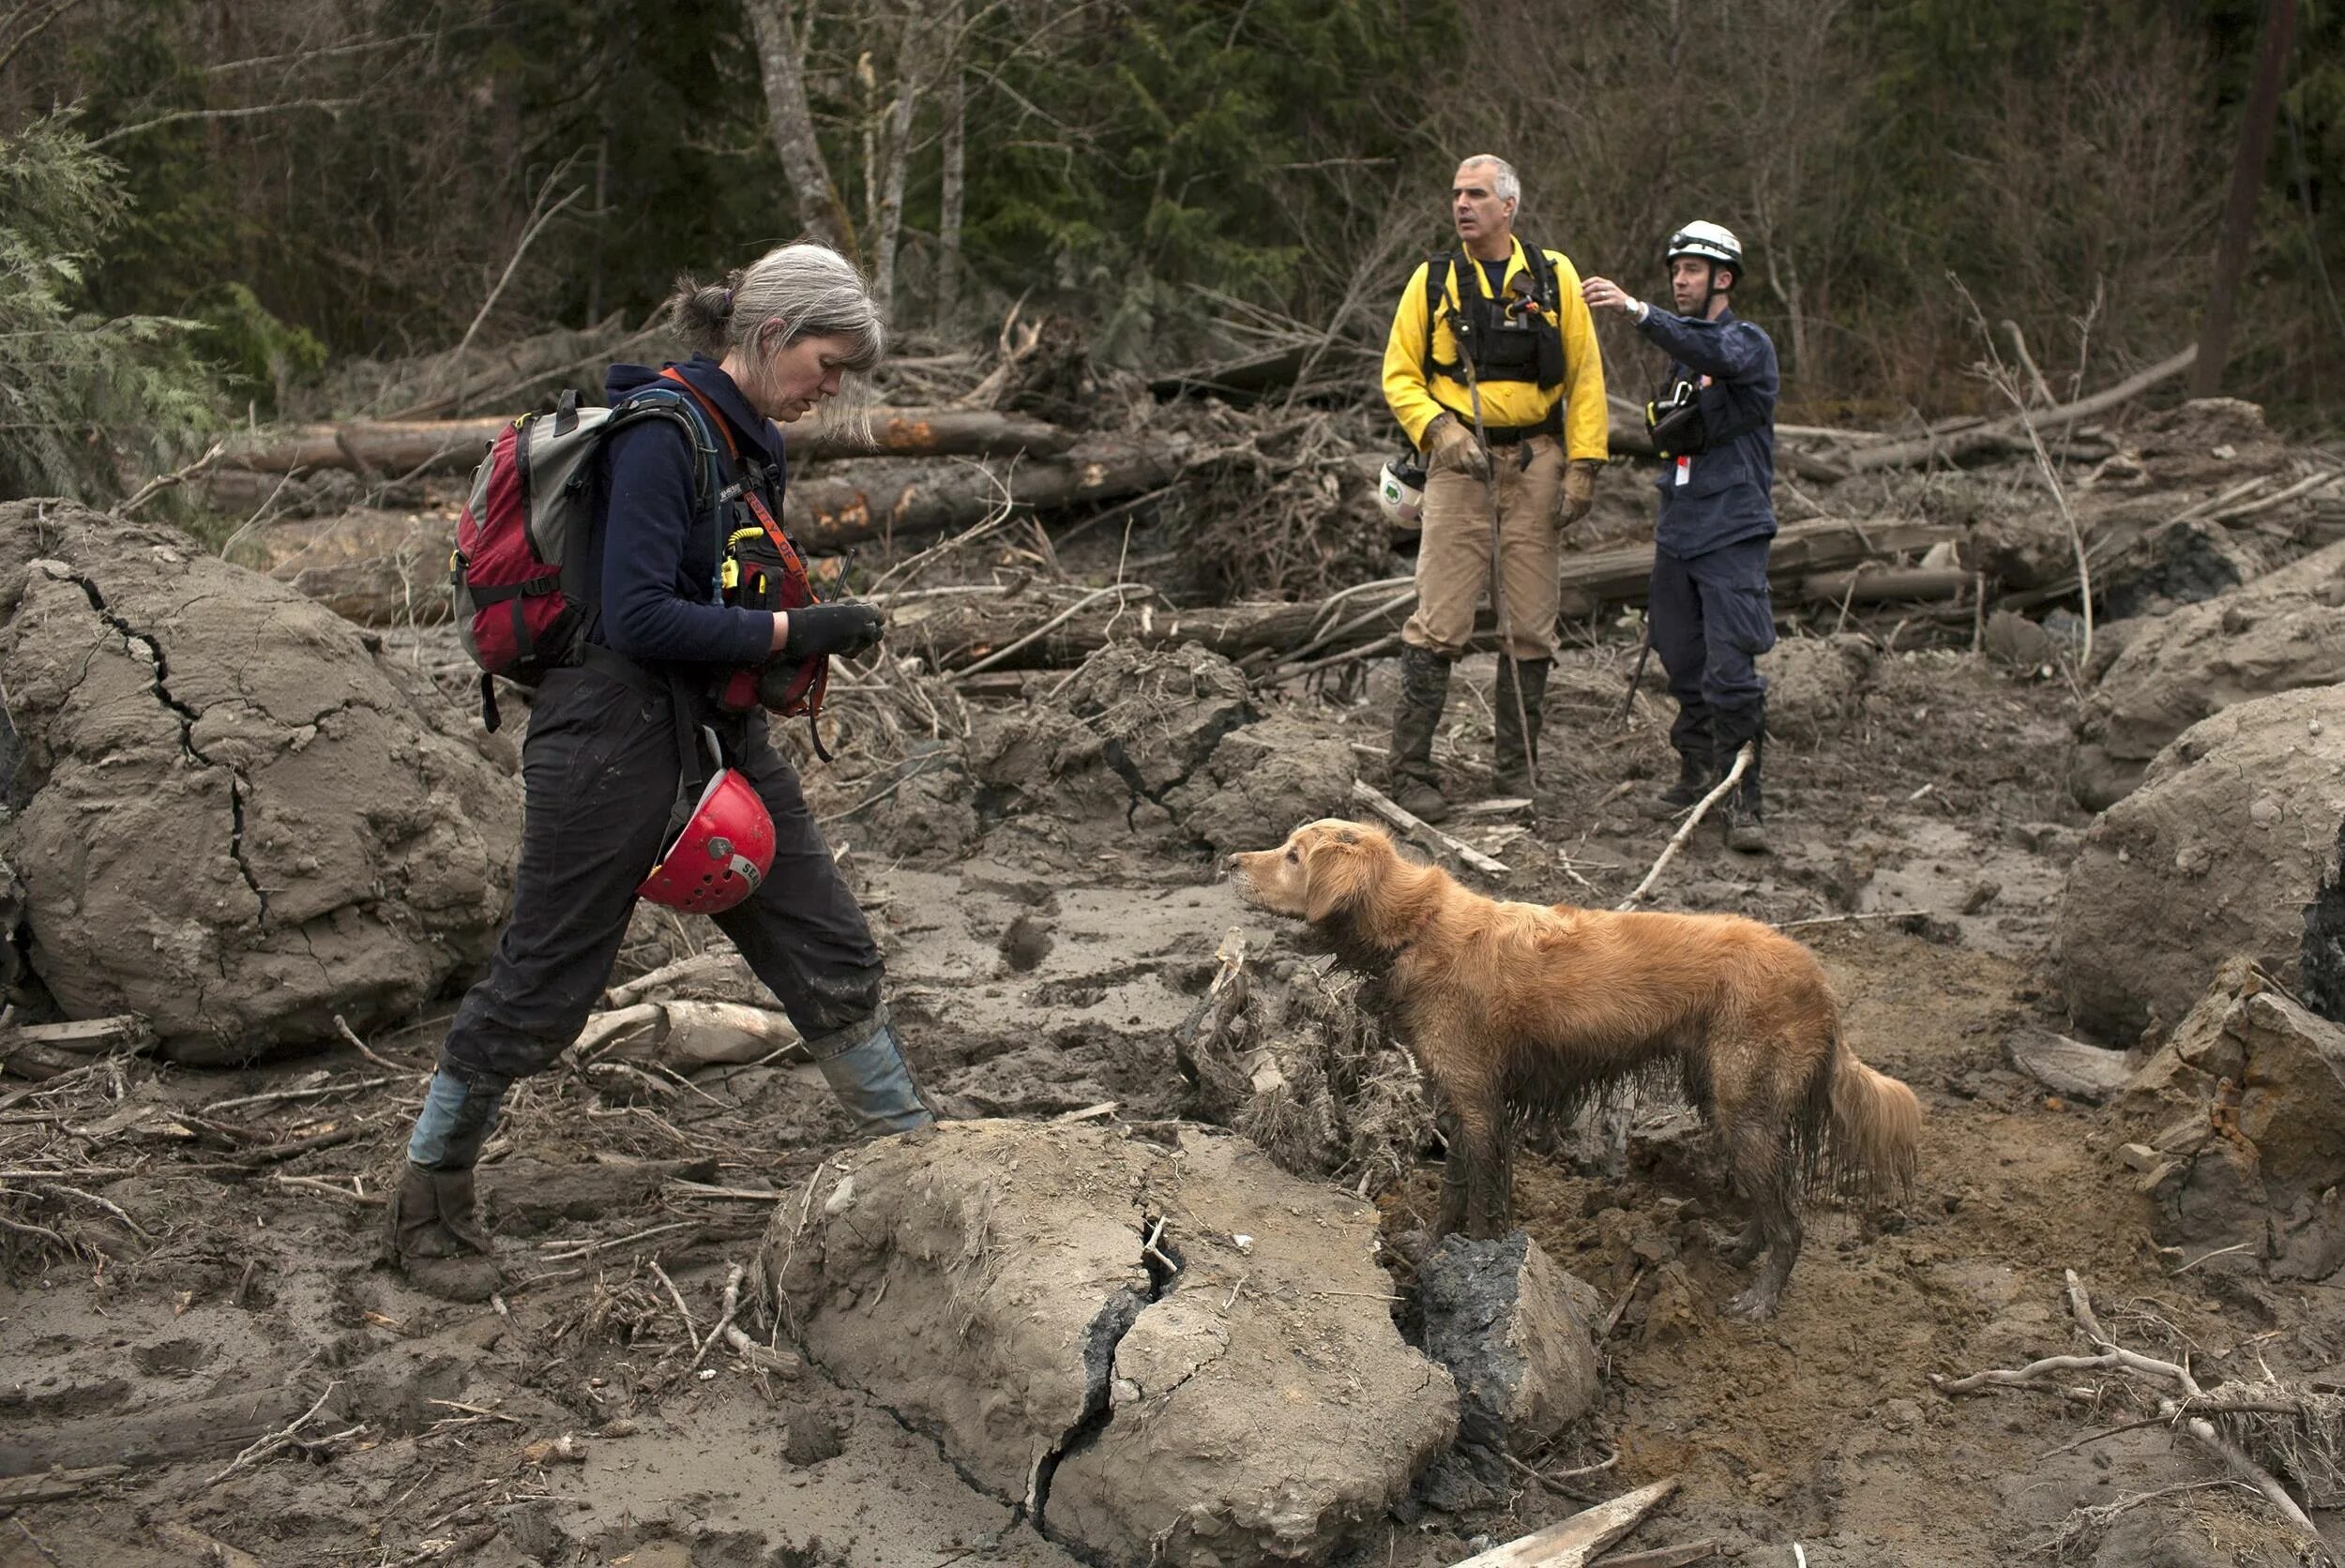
[(111, 1207), (1693, 820), (343, 1027), (1349, 656), (691, 1329), (724, 1321), (269, 1445), (780, 1362), (1052, 625), (583, 1249), (279, 1096), (1408, 821), (2182, 1412)]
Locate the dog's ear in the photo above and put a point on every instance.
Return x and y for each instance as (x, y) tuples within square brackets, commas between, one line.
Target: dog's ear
[(1337, 873)]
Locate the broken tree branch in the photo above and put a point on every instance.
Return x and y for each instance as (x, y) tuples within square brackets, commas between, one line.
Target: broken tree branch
[(1693, 820), (1407, 821)]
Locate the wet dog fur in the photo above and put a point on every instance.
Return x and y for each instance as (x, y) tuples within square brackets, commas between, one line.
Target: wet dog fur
[(1516, 1011)]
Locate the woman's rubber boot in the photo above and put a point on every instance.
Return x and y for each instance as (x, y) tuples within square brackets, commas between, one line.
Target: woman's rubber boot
[(865, 1066), (433, 1234), (1517, 753), (1424, 691), (431, 1227)]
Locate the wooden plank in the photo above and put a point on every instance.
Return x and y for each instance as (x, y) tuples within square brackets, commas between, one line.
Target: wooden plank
[(1576, 1541)]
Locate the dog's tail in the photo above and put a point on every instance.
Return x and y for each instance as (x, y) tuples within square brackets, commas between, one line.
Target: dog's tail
[(1876, 1126)]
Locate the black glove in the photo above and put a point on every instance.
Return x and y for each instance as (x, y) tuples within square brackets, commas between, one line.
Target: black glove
[(847, 627)]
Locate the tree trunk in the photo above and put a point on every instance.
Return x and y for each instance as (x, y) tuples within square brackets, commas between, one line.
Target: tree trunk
[(955, 176), (850, 502), (449, 446), (897, 151), (791, 122), (956, 629), (2246, 180)]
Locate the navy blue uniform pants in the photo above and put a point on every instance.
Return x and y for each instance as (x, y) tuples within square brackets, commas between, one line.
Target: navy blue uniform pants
[(1710, 618), (600, 773)]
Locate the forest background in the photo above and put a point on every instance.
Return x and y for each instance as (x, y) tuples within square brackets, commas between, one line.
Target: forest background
[(205, 201)]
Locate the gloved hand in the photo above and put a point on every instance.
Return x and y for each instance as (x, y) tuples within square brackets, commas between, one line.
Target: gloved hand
[(846, 628), (1449, 445), (1579, 488)]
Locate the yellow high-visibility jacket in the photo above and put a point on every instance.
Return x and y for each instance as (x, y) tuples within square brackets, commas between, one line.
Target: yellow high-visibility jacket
[(1587, 424)]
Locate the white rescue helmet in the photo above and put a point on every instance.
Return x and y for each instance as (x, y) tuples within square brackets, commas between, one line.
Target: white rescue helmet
[(1400, 489), (1712, 242)]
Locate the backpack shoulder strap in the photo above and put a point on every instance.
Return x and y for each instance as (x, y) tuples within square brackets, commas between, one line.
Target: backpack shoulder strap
[(1439, 268)]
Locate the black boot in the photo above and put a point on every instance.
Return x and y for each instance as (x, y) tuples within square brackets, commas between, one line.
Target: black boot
[(433, 1234), (1694, 778), (1424, 690), (1745, 812), (1691, 734), (1518, 753)]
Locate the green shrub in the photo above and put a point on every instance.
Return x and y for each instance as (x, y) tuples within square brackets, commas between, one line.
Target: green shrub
[(85, 401)]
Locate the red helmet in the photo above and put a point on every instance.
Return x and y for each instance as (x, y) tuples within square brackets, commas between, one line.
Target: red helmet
[(719, 856)]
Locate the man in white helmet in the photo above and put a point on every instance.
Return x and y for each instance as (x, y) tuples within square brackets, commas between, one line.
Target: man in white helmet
[(1499, 329), (1708, 611)]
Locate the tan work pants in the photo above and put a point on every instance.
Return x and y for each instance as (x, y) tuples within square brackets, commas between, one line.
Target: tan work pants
[(1453, 552)]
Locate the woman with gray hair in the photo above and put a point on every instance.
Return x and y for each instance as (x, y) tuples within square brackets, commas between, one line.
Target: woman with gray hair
[(612, 737)]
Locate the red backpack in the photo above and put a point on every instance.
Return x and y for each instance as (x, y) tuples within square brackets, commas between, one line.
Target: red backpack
[(519, 571)]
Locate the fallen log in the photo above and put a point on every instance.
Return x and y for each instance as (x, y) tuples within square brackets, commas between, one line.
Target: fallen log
[(1948, 446), (384, 567), (840, 506), (416, 446), (955, 631)]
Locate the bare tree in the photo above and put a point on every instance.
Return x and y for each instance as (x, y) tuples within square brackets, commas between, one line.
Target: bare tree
[(953, 98), (782, 66)]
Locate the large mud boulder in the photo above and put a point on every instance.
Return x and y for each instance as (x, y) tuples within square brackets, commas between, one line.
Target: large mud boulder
[(1815, 685), (228, 815), (2244, 1111), (1260, 781), (2217, 853), (1233, 1394), (1130, 724), (2281, 632)]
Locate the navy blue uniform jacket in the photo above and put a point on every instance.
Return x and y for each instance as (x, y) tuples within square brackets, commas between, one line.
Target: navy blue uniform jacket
[(657, 558), (1727, 496)]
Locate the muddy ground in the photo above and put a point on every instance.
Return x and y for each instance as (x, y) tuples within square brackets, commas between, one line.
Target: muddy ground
[(200, 1298)]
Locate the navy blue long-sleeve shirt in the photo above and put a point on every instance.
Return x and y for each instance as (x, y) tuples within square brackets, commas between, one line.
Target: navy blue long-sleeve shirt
[(655, 556), (1723, 495)]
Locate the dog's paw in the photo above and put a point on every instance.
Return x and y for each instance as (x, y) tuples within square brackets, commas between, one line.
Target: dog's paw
[(1755, 1305)]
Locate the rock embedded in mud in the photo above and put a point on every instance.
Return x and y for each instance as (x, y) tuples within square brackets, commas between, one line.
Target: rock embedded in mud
[(2282, 632), (2068, 1067), (2248, 1102), (2217, 853), (229, 816), (989, 1282), (1262, 781), (1815, 685), (1514, 1331), (1131, 724)]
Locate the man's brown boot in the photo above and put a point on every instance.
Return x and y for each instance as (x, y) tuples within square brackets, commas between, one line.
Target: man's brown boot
[(431, 1234)]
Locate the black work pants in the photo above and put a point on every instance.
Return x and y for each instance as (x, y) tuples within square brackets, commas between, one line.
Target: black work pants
[(1711, 617), (600, 771)]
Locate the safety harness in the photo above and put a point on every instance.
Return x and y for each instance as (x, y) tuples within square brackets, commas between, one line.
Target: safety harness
[(1519, 338)]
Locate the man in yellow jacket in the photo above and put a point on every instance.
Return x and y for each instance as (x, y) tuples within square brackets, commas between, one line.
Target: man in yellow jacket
[(1500, 325)]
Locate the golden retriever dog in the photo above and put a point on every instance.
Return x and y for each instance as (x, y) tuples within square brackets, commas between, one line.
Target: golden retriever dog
[(1517, 1011)]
